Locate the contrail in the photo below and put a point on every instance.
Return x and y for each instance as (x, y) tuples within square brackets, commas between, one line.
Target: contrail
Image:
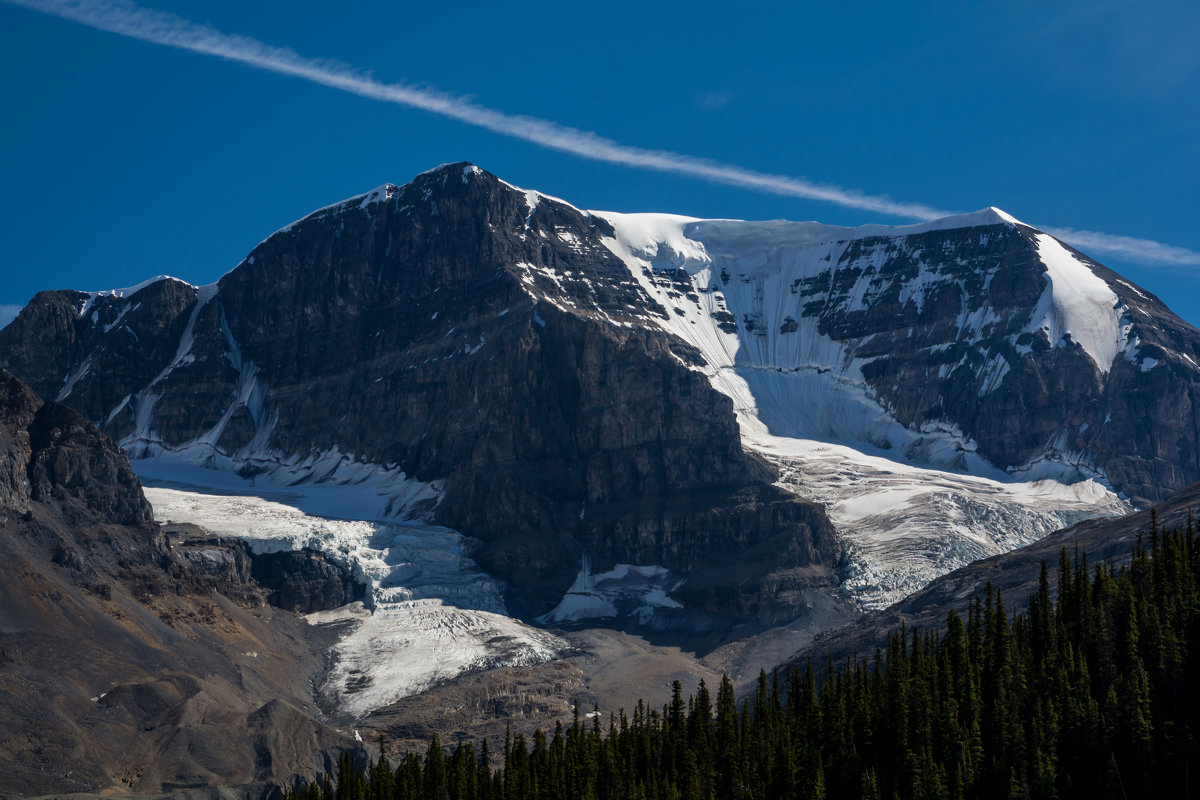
[(1144, 251), (128, 19)]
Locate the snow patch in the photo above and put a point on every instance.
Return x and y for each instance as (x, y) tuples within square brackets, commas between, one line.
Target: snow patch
[(203, 295), (532, 199), (328, 483), (539, 196), (121, 406), (124, 310), (379, 194), (624, 589), (127, 291), (73, 378), (1077, 303)]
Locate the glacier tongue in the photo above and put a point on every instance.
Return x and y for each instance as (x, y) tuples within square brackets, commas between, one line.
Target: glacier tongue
[(903, 525), (434, 614)]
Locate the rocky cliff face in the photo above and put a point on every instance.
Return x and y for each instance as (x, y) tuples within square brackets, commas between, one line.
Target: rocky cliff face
[(55, 461), (991, 351), (305, 581), (479, 338)]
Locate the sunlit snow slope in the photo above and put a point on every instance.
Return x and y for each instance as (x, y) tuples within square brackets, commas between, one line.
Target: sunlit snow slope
[(789, 318)]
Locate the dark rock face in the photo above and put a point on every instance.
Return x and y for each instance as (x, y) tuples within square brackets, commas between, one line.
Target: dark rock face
[(305, 581), (18, 405), (125, 343), (299, 581), (52, 455), (449, 329), (74, 465)]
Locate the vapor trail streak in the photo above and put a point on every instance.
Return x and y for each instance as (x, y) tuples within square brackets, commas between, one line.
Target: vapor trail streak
[(159, 27)]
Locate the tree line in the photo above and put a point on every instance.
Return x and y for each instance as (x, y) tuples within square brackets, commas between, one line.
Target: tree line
[(1088, 692)]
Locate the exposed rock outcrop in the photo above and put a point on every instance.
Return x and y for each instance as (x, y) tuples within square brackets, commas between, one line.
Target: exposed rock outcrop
[(305, 581), (965, 355)]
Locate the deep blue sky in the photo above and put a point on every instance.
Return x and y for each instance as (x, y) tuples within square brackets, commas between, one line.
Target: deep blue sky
[(122, 159)]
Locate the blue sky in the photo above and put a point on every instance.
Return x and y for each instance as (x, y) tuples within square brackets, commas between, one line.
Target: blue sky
[(124, 159)]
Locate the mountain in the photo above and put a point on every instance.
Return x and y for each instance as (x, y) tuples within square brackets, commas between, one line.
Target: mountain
[(425, 329), (684, 424), (131, 661)]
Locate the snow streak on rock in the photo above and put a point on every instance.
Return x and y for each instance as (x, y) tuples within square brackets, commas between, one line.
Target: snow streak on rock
[(624, 590)]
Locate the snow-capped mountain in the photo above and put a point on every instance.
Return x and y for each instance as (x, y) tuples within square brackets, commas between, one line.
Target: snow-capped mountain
[(973, 342), (403, 335), (646, 402)]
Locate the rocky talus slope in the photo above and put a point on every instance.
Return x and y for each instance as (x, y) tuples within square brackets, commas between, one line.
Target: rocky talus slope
[(130, 662)]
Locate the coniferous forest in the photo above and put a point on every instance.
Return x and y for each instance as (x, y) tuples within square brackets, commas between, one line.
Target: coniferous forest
[(1088, 692)]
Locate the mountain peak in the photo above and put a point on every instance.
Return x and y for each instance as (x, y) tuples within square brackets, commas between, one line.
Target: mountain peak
[(463, 168), (975, 219), (988, 216), (1003, 215)]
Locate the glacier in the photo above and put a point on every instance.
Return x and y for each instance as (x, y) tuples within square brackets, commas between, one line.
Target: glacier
[(803, 402), (431, 613)]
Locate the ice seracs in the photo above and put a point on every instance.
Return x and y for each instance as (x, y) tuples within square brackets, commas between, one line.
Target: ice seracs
[(432, 613)]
